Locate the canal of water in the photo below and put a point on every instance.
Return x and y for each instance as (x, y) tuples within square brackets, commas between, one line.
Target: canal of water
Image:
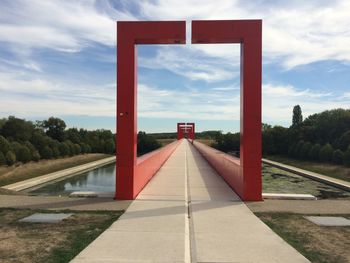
[(275, 180)]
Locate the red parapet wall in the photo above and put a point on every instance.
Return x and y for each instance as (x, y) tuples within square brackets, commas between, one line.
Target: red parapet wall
[(149, 164), (230, 169)]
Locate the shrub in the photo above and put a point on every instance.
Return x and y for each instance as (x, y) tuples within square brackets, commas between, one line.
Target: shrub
[(10, 158), (346, 157), (304, 151), (15, 147), (23, 154), (64, 149), (55, 152), (338, 157), (46, 153), (314, 153), (2, 159), (326, 153), (77, 148), (36, 156), (4, 145)]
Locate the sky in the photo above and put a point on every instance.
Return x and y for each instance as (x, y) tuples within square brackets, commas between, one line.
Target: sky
[(58, 58)]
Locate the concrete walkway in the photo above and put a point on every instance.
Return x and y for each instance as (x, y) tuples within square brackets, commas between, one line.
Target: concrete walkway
[(187, 213)]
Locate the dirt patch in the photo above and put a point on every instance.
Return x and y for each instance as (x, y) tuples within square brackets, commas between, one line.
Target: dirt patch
[(39, 242), (12, 174), (317, 243)]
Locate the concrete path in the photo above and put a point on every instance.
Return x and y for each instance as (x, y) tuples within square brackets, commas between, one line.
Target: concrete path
[(187, 213), (25, 184)]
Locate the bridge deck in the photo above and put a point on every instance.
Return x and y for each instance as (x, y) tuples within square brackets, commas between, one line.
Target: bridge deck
[(187, 213)]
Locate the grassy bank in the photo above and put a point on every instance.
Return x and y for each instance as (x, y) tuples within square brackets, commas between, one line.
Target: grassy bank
[(164, 142), (331, 170), (317, 243), (39, 242), (12, 174)]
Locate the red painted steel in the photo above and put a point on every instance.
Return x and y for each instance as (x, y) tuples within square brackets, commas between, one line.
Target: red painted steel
[(129, 176), (185, 130), (180, 134), (247, 33)]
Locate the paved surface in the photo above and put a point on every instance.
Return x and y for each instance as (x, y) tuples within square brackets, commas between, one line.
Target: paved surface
[(328, 220), (315, 176), (288, 196), (187, 213), (22, 185), (340, 206), (45, 218), (62, 203)]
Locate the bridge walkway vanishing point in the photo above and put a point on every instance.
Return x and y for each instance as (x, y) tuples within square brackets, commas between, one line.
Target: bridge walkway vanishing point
[(187, 213)]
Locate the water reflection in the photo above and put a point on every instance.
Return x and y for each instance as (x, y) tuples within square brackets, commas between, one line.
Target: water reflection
[(275, 180), (98, 180)]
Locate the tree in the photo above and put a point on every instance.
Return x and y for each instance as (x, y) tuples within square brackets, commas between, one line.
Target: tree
[(46, 153), (36, 156), (337, 157), (146, 143), (54, 128), (17, 129), (297, 116), (77, 149), (346, 157), (64, 149), (2, 159), (10, 158), (110, 146), (314, 153), (298, 148), (304, 151), (4, 145), (24, 154), (343, 142), (326, 153)]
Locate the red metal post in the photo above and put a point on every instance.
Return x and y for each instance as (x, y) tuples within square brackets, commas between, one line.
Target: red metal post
[(248, 34), (129, 34), (192, 130), (180, 134)]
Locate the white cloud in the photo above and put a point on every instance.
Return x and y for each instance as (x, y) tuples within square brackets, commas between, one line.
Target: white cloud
[(192, 63), (279, 100), (37, 96), (294, 33), (61, 25)]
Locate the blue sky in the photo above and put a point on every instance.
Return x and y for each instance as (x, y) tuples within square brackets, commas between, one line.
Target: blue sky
[(57, 58)]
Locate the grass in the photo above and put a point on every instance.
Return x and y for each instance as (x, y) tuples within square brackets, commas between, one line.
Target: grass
[(208, 142), (331, 170), (319, 244), (165, 141), (40, 242), (15, 173)]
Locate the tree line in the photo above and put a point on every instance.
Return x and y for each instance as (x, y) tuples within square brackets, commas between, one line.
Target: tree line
[(24, 141), (322, 137)]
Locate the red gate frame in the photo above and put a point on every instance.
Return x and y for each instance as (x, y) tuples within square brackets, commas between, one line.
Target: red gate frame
[(182, 129), (243, 175), (133, 174)]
